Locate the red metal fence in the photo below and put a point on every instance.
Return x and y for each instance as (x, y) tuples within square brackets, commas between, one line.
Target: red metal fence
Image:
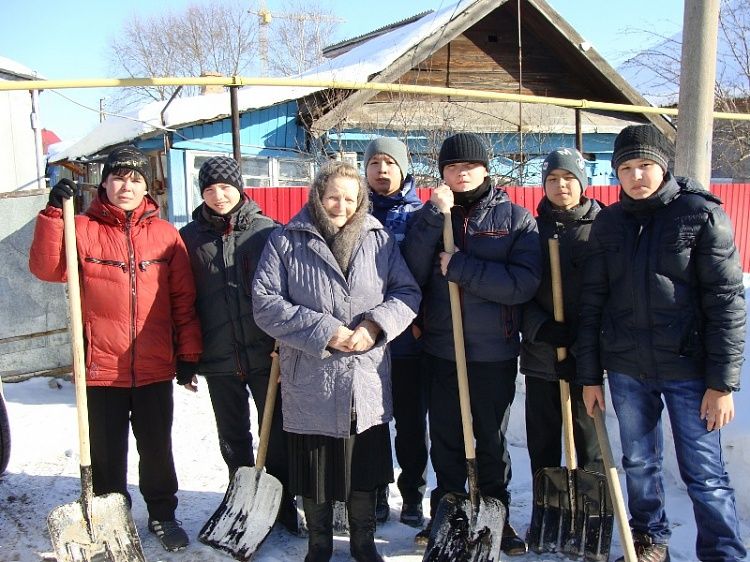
[(282, 203)]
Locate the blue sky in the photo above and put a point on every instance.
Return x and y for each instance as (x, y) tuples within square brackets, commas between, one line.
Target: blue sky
[(69, 39)]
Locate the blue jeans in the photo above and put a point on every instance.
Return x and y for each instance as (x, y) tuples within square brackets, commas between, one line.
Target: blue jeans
[(638, 404)]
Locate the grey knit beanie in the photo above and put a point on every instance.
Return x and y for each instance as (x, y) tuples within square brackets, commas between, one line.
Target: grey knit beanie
[(462, 147), (220, 169), (641, 141), (391, 147), (566, 159)]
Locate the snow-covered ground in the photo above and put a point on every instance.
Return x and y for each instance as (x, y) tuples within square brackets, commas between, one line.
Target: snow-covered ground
[(44, 473)]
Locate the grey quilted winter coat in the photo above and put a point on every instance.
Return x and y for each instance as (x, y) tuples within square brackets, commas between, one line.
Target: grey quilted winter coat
[(301, 297)]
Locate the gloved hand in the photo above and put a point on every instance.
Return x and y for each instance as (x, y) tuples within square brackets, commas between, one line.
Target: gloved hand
[(185, 372), (554, 333), (566, 369), (64, 189)]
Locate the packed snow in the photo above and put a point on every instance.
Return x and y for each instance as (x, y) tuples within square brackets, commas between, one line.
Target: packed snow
[(44, 473)]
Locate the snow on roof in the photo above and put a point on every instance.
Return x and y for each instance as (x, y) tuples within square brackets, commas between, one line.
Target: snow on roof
[(356, 65), (16, 69)]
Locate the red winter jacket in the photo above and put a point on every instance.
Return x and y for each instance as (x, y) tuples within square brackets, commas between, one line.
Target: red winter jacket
[(137, 290)]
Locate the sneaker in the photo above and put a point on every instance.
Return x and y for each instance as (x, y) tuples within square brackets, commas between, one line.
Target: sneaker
[(382, 509), (423, 536), (648, 551), (510, 543), (170, 533), (411, 514)]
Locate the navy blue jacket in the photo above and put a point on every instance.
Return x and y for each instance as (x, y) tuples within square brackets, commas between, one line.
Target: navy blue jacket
[(497, 268), (394, 212)]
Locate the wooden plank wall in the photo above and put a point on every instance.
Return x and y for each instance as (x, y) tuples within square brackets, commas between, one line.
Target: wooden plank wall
[(282, 203)]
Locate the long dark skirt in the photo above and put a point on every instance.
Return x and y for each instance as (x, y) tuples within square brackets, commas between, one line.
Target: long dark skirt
[(327, 468)]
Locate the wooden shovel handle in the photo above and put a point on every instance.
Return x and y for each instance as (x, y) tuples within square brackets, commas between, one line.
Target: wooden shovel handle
[(558, 310), (460, 350), (76, 329), (615, 492), (265, 424)]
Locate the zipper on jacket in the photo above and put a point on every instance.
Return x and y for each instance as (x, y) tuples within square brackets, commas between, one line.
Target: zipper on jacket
[(114, 263), (143, 265), (131, 262)]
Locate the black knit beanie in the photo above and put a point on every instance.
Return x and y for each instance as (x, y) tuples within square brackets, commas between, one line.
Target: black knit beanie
[(462, 147), (566, 159), (128, 158), (641, 141), (220, 169)]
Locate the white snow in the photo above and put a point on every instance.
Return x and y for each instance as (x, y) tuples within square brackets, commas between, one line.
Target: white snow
[(44, 473)]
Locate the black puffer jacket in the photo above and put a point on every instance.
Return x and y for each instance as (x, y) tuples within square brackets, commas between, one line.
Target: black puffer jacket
[(497, 268), (663, 296), (572, 227), (224, 252)]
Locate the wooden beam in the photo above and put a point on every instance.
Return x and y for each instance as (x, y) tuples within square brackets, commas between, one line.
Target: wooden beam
[(408, 60)]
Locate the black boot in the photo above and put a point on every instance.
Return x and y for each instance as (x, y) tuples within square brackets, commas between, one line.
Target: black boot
[(319, 518), (362, 527)]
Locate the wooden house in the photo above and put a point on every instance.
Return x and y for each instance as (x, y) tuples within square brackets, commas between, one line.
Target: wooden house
[(490, 45)]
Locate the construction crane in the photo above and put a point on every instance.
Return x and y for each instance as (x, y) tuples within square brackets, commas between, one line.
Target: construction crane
[(264, 20)]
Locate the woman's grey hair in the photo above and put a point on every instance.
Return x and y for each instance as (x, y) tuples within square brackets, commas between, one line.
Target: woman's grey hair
[(337, 169)]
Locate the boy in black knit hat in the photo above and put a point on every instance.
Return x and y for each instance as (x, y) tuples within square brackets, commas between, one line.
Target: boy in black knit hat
[(663, 311), (498, 268), (141, 328), (225, 239)]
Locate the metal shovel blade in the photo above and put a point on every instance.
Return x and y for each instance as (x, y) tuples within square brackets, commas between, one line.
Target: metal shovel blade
[(108, 535), (572, 514), (462, 533), (246, 514)]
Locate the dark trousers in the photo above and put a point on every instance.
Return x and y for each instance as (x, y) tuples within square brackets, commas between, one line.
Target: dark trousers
[(410, 395), (492, 387), (229, 398), (148, 410), (544, 426)]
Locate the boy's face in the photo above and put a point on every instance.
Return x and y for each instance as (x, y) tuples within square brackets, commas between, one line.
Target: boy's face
[(383, 174), (125, 189), (640, 177), (464, 176), (562, 188), (221, 197)]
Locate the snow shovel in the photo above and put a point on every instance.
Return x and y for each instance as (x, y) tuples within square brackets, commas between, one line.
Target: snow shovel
[(251, 504), (95, 528), (571, 511), (626, 538), (465, 527)]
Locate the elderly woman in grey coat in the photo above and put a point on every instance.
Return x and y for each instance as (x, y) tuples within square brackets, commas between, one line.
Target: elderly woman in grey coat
[(332, 287)]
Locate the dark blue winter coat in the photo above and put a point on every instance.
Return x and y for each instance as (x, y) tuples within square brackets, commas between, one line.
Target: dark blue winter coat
[(663, 296), (497, 268), (394, 212)]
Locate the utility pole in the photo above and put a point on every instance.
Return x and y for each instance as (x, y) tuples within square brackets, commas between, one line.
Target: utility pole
[(695, 121)]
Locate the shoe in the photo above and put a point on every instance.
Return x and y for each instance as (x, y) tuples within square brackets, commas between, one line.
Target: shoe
[(648, 551), (170, 534), (423, 536), (510, 543), (382, 509), (411, 514)]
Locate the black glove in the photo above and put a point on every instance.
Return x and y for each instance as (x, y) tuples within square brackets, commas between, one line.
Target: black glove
[(555, 333), (566, 369), (185, 372), (64, 189)]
